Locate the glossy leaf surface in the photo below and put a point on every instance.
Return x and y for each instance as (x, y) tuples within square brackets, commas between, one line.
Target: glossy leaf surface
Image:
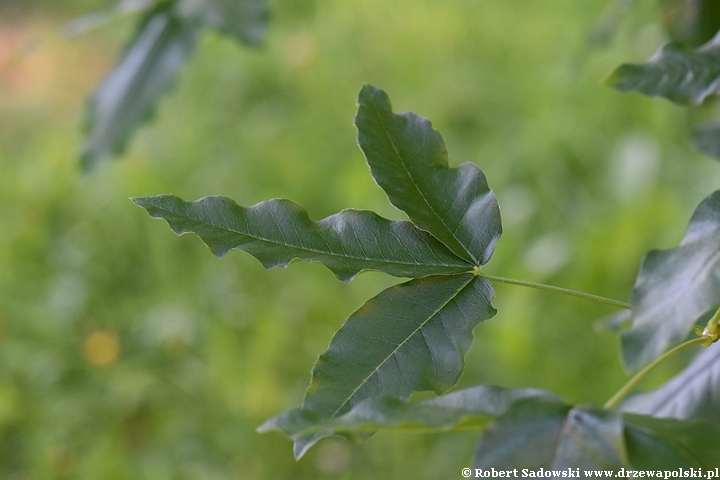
[(278, 231), (694, 393), (128, 93), (245, 19), (468, 408), (674, 72), (675, 287), (408, 159), (411, 337)]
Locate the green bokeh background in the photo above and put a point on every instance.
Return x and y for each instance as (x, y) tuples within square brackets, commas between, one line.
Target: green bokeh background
[(588, 180)]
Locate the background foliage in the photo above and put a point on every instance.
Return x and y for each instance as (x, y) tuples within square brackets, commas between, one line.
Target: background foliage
[(126, 352)]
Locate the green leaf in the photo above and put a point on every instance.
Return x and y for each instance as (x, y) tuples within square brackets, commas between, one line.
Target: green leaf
[(278, 231), (245, 19), (409, 338), (655, 443), (548, 434), (128, 94), (691, 394), (707, 138), (408, 159), (674, 72), (675, 287), (468, 408), (544, 433), (528, 429)]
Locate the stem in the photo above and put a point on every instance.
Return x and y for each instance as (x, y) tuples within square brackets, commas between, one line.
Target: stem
[(712, 325), (627, 388), (566, 291)]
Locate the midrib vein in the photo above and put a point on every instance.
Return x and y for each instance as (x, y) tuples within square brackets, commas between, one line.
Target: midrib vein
[(303, 247), (417, 189), (391, 354)]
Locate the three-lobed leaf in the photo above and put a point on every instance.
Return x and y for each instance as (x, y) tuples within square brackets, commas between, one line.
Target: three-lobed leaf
[(677, 73), (409, 161), (410, 337), (278, 231), (675, 287), (691, 394)]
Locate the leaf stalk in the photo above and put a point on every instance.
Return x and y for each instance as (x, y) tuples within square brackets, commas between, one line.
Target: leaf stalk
[(630, 385), (565, 291)]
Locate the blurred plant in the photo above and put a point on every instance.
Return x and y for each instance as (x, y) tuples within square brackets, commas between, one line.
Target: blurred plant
[(691, 22), (163, 42), (682, 71), (413, 336)]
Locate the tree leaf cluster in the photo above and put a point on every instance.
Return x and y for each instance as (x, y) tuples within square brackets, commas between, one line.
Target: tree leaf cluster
[(681, 71), (413, 336)]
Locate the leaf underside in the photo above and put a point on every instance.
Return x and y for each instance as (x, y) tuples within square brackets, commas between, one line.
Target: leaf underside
[(409, 161), (411, 337), (469, 408), (675, 288), (694, 393), (527, 428), (278, 231), (129, 92), (674, 72)]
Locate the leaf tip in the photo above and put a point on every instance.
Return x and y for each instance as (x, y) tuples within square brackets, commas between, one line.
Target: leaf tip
[(303, 444), (614, 77), (372, 95), (266, 426), (141, 202)]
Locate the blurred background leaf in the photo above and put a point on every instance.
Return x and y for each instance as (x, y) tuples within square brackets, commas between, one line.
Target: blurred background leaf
[(156, 53), (691, 394), (680, 74), (685, 70), (675, 288), (129, 353), (691, 22), (129, 92)]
